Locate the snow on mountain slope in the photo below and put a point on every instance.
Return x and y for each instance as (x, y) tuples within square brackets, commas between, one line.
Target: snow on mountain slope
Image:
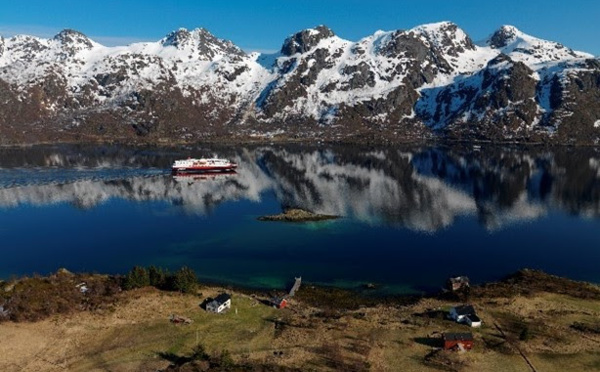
[(319, 72), (193, 59), (433, 74), (528, 49)]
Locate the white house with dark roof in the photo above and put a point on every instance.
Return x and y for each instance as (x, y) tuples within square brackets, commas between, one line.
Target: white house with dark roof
[(220, 304), (473, 320), (465, 314)]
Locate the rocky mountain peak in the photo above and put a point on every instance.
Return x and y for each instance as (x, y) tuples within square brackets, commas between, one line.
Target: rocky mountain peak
[(72, 37), (202, 41), (305, 40), (446, 37), (177, 38), (2, 43), (503, 36)]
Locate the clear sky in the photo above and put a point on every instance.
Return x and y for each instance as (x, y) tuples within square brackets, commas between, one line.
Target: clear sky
[(263, 24)]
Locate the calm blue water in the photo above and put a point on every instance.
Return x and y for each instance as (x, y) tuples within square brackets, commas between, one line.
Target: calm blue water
[(411, 217)]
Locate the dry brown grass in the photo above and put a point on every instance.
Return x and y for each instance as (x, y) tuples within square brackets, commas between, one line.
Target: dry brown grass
[(136, 335)]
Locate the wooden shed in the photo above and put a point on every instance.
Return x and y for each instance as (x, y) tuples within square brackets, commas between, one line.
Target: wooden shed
[(458, 341), (279, 302), (457, 283)]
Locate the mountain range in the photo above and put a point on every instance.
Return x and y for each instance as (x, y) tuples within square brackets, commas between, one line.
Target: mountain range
[(430, 82)]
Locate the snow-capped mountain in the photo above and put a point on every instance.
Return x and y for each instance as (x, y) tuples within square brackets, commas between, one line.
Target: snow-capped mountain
[(398, 85)]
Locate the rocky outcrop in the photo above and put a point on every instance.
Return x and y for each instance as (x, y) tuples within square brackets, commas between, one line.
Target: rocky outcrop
[(297, 215), (203, 42), (304, 41), (575, 103)]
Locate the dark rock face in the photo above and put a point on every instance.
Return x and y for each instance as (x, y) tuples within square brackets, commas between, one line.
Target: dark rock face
[(576, 104), (502, 37), (498, 103), (449, 44), (361, 75), (304, 41), (412, 47)]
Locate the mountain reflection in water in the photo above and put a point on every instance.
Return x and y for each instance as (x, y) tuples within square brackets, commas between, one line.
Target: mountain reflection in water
[(420, 190)]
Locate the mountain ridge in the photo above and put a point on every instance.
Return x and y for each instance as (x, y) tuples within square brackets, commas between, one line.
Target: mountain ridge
[(431, 81)]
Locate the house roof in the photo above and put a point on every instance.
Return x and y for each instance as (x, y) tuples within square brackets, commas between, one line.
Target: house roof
[(464, 310), (222, 298), (459, 279), (458, 336), (473, 318)]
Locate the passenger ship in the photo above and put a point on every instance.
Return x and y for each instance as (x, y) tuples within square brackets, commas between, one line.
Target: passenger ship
[(203, 165)]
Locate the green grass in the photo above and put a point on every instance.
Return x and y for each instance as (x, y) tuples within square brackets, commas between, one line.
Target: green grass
[(132, 345), (566, 362)]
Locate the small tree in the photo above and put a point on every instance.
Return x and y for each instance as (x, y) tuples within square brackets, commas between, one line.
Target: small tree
[(199, 353), (157, 277), (222, 360), (184, 280), (136, 278)]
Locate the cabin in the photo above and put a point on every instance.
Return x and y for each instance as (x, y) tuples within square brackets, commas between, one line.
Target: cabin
[(279, 302), (458, 313), (473, 320), (220, 304), (458, 283), (465, 314), (82, 287), (458, 341)]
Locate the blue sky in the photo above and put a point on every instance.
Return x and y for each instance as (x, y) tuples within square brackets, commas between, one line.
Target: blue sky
[(263, 25)]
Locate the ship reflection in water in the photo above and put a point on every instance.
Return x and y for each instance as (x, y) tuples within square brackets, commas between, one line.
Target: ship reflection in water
[(482, 213), (191, 177)]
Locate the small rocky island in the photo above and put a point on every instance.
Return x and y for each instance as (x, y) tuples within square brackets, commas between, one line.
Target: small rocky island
[(298, 215)]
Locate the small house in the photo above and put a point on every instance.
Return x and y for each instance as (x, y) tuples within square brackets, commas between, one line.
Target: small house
[(220, 304), (458, 341), (473, 320), (279, 302), (458, 313), (457, 283), (82, 287), (465, 314)]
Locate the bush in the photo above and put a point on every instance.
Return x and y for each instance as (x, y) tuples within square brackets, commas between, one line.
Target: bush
[(525, 334), (32, 299), (185, 280), (137, 278), (157, 277)]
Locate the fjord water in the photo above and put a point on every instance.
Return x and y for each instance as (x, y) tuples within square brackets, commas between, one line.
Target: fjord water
[(411, 217)]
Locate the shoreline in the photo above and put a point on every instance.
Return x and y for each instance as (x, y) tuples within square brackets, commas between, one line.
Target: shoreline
[(529, 317), (228, 141)]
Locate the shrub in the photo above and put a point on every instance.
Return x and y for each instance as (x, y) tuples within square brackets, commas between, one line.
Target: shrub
[(157, 277), (137, 278), (184, 280), (525, 334)]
